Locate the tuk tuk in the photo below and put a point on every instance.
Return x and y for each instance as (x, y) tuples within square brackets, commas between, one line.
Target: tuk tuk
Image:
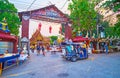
[(74, 52)]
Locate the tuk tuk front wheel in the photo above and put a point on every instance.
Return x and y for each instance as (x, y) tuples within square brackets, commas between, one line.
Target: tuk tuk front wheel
[(67, 58), (74, 59)]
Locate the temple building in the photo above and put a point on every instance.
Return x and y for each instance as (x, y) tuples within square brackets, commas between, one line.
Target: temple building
[(38, 37)]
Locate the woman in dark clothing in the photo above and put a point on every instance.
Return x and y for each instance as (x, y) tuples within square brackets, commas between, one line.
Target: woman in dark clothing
[(43, 50), (38, 49)]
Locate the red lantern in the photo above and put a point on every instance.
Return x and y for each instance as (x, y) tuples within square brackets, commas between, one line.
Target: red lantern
[(39, 26), (50, 29)]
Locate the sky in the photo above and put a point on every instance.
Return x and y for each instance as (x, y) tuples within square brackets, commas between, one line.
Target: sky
[(23, 5)]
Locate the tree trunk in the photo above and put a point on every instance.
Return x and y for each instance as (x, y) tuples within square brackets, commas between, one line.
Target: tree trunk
[(90, 33)]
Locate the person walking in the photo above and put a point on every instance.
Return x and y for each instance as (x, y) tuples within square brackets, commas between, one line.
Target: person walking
[(38, 49), (32, 48), (43, 50), (106, 48)]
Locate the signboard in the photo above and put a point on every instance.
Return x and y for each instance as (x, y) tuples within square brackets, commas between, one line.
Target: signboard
[(102, 35), (52, 14), (49, 13)]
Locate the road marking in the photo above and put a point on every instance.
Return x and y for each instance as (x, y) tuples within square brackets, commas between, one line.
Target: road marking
[(17, 74)]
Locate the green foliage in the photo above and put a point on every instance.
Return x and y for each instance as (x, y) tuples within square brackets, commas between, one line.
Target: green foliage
[(115, 6), (105, 24), (53, 38), (117, 28), (51, 42), (9, 11), (108, 30), (112, 31), (82, 15), (112, 4)]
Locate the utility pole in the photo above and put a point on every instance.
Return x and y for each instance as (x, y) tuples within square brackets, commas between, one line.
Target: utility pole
[(97, 25)]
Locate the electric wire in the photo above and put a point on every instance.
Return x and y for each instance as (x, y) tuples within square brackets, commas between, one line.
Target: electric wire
[(64, 4), (24, 3), (31, 4)]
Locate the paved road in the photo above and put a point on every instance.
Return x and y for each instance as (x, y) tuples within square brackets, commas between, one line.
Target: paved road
[(54, 66)]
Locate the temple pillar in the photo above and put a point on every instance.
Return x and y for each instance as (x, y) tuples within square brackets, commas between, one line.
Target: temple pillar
[(25, 26), (68, 32)]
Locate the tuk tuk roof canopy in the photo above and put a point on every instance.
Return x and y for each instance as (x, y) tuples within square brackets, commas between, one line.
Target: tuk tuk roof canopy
[(80, 39)]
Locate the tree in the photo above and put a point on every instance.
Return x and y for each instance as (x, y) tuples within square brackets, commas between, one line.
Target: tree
[(117, 28), (53, 38), (83, 15), (112, 5), (115, 6), (8, 11), (109, 31)]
